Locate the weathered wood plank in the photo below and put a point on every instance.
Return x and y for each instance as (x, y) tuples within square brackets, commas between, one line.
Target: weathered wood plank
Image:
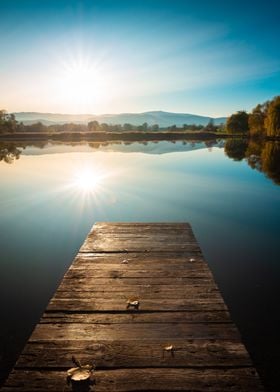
[(162, 266), (135, 353), (149, 259), (132, 246), (149, 379), (131, 227), (135, 331), (199, 292), (126, 272), (145, 281), (159, 305), (140, 238), (139, 317)]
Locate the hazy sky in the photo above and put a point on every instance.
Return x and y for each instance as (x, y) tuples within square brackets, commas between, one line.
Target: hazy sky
[(101, 56)]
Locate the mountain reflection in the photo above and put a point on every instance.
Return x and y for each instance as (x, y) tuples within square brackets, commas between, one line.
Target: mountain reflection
[(263, 156), (147, 147)]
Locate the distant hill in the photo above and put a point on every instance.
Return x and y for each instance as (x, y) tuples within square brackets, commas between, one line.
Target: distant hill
[(163, 119)]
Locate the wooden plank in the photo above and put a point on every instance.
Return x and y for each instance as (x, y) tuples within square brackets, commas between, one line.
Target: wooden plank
[(140, 238), (134, 353), (139, 317), (162, 266), (135, 331), (149, 259), (123, 245), (148, 293), (124, 272), (125, 282), (120, 305), (148, 379), (132, 227)]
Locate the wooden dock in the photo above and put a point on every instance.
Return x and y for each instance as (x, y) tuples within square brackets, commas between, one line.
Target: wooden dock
[(140, 303)]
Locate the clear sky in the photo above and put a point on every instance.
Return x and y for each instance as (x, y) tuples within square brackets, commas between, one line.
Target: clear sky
[(102, 56)]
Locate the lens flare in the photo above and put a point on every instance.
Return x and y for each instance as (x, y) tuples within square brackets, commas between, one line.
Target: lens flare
[(87, 180)]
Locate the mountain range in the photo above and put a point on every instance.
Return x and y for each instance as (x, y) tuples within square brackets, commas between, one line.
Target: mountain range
[(163, 119)]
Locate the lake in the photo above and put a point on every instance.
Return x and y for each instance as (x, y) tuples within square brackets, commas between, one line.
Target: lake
[(51, 195)]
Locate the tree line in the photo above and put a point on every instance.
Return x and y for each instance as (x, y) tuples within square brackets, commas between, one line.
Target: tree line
[(262, 121), (9, 124), (95, 126)]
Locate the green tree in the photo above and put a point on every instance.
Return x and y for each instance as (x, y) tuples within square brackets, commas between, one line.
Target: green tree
[(210, 127), (272, 121), (8, 122), (93, 126), (127, 127), (145, 126), (173, 128), (105, 127), (155, 127), (238, 122)]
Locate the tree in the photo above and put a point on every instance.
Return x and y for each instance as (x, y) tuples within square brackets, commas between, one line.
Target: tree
[(257, 120), (173, 128), (8, 122), (93, 126), (143, 127), (127, 127), (104, 127), (238, 122), (155, 127), (272, 121), (210, 127)]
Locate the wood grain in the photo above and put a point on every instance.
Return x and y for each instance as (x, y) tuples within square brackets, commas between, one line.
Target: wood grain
[(180, 307)]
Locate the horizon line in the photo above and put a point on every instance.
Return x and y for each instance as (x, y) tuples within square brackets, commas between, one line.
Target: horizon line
[(117, 113)]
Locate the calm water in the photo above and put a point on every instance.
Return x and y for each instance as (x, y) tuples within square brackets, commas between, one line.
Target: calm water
[(51, 195)]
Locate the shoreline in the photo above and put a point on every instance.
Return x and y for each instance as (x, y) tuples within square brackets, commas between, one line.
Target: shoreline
[(116, 136)]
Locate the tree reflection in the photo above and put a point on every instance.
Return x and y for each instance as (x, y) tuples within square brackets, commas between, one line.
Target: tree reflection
[(253, 154), (9, 152), (270, 158), (263, 156), (236, 148)]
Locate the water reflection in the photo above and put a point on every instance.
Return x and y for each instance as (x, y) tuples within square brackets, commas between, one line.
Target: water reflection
[(236, 148), (151, 147), (9, 152), (87, 180), (260, 155), (53, 194)]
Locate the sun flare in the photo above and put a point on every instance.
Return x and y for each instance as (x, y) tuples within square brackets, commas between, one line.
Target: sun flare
[(83, 79), (87, 180), (83, 83)]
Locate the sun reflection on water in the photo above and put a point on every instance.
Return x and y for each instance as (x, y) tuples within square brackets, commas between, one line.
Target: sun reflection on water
[(87, 180)]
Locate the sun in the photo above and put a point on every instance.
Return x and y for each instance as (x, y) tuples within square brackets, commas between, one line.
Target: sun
[(83, 84), (83, 79), (87, 180)]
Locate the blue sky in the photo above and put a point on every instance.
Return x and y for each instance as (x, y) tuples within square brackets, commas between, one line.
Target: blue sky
[(102, 56)]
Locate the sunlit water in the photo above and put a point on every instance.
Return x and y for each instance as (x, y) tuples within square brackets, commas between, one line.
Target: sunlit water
[(51, 197)]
